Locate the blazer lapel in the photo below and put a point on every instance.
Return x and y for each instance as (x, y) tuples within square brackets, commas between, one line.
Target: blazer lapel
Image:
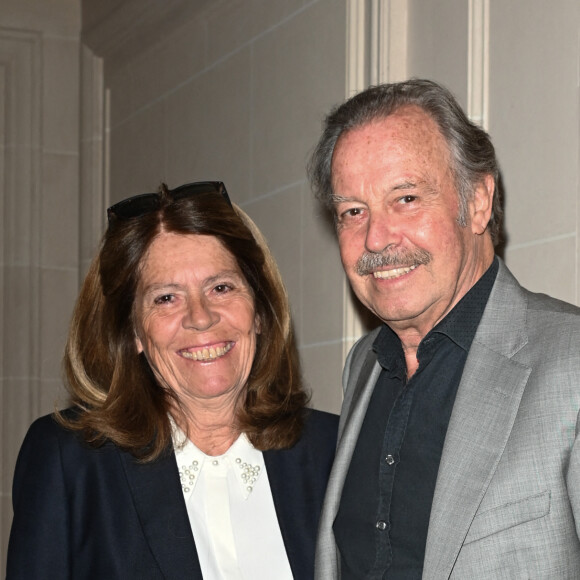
[(281, 475), (161, 507), (483, 415), (352, 416)]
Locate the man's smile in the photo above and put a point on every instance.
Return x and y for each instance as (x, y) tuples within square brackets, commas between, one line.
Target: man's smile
[(394, 273)]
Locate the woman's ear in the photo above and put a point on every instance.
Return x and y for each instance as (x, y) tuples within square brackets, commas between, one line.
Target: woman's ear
[(138, 344)]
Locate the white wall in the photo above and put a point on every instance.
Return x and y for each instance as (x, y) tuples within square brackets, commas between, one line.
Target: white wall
[(39, 160)]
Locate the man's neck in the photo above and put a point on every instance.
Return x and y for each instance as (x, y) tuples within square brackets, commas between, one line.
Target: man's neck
[(412, 334)]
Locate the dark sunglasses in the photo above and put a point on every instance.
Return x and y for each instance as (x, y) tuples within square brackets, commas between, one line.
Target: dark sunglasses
[(145, 202)]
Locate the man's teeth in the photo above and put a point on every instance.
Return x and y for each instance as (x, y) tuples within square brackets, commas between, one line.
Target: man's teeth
[(207, 353), (395, 273)]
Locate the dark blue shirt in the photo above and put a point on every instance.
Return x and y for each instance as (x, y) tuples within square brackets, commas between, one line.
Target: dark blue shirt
[(382, 522)]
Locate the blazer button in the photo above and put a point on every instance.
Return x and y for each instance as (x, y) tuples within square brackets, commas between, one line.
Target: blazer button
[(390, 459), (381, 525)]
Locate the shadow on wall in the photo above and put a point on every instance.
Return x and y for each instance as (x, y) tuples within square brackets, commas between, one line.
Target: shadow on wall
[(503, 236)]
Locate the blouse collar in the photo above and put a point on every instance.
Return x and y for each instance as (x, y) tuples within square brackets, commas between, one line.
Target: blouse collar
[(246, 462)]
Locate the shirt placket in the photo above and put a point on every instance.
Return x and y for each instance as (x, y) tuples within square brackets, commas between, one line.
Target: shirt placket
[(219, 517), (390, 457)]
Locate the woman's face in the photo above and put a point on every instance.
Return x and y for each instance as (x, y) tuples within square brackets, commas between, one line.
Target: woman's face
[(195, 319)]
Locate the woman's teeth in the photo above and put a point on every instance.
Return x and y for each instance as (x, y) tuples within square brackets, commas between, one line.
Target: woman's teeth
[(208, 353)]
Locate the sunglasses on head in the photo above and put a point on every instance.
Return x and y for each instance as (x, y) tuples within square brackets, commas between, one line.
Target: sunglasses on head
[(143, 203)]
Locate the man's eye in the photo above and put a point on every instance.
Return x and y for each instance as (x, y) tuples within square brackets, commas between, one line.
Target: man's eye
[(408, 199), (352, 212)]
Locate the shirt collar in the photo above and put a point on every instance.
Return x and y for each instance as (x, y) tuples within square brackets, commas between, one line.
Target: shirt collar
[(461, 323), (242, 458)]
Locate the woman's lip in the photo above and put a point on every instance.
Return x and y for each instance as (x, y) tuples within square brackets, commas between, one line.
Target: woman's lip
[(205, 353)]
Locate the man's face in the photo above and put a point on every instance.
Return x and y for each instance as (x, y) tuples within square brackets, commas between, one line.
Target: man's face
[(396, 203)]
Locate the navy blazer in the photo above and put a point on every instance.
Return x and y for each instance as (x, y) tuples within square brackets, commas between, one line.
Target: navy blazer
[(81, 512)]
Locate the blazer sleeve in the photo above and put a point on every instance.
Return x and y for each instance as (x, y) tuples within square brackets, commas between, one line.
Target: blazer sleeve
[(38, 545)]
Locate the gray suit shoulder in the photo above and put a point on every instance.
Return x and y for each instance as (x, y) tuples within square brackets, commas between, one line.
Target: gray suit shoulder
[(543, 303), (554, 322), (357, 357), (362, 346)]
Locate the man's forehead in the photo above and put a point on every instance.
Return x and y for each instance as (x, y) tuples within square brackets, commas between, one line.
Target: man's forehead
[(409, 120), (408, 134)]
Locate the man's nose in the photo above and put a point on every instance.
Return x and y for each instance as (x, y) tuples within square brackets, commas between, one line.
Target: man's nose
[(382, 232)]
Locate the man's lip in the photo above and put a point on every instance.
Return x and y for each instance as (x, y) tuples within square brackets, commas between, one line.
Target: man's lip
[(393, 272), (205, 353)]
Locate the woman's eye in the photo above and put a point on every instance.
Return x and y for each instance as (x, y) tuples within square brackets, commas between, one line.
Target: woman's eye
[(165, 299), (222, 288)]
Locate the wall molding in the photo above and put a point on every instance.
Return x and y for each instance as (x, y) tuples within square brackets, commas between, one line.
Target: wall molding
[(20, 209), (93, 193), (478, 63), (21, 71)]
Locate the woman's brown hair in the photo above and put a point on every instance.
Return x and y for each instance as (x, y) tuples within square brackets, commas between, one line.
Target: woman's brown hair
[(113, 388)]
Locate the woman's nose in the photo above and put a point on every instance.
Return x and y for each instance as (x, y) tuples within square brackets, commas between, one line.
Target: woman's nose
[(200, 315)]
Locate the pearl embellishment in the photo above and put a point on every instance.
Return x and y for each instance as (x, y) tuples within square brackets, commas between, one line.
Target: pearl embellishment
[(187, 476), (249, 473)]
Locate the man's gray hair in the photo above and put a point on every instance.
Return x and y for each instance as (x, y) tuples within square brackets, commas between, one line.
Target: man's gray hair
[(472, 153)]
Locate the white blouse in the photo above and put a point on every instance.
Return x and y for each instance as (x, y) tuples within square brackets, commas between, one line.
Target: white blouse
[(231, 512)]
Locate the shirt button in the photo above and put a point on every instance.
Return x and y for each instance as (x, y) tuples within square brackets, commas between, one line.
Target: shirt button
[(381, 525), (390, 459)]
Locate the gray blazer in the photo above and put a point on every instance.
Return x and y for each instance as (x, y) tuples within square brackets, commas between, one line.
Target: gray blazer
[(507, 499)]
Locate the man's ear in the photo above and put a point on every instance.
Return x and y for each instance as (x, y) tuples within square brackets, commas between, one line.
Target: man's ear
[(481, 205)]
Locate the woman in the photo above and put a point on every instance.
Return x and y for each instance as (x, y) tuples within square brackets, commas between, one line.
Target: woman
[(188, 451)]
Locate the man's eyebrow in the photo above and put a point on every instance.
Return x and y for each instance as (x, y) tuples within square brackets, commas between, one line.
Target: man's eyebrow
[(405, 185)]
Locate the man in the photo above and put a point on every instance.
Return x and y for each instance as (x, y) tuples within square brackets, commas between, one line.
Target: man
[(457, 453)]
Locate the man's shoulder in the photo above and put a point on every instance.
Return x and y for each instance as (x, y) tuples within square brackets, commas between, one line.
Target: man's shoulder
[(538, 304), (508, 293), (543, 321), (363, 345), (544, 305), (555, 323), (360, 353)]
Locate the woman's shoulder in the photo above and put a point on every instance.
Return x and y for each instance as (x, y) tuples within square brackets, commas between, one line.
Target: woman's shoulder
[(50, 446), (49, 434), (49, 425), (324, 420), (320, 426), (45, 426)]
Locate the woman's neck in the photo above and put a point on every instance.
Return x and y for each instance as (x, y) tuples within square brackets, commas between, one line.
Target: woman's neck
[(212, 431)]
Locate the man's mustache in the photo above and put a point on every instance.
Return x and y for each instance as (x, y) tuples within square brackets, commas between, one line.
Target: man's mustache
[(369, 261)]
